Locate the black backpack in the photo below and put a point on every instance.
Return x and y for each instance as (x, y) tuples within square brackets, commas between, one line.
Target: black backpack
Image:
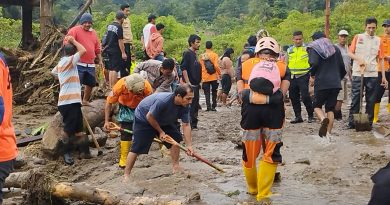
[(209, 67)]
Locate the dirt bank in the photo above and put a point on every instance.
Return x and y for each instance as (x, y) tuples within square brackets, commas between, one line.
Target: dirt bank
[(332, 172)]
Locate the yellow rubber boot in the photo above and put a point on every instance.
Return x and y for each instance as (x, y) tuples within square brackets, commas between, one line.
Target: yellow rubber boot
[(251, 179), (125, 148), (376, 112), (388, 107), (265, 179)]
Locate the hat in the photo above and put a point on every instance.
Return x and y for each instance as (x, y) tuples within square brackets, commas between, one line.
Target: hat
[(135, 83), (386, 22), (343, 33), (120, 15), (86, 17), (318, 35)]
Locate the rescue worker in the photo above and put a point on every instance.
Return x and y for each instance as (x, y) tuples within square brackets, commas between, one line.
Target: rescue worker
[(380, 89), (128, 91), (263, 116), (298, 64)]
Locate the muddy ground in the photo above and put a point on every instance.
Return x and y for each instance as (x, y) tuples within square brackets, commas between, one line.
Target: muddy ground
[(331, 172)]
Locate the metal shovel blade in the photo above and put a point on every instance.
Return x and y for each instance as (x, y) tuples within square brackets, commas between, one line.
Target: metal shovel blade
[(361, 122)]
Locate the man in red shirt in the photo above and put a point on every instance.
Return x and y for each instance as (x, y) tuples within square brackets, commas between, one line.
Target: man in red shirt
[(87, 37), (8, 149)]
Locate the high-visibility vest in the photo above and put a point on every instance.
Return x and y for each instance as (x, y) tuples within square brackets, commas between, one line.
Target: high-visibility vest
[(298, 60), (249, 64)]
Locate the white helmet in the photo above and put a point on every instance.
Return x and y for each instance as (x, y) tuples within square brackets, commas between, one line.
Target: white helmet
[(267, 43)]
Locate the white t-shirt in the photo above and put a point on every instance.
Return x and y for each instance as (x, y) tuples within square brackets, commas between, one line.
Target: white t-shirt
[(147, 32)]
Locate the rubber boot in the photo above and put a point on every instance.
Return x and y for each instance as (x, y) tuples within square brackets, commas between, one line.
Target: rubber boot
[(85, 152), (265, 179), (376, 112), (68, 147), (125, 148), (251, 179), (388, 107), (207, 97)]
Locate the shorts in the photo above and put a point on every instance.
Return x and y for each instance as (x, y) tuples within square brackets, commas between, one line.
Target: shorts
[(87, 75), (343, 94), (115, 62), (5, 169), (143, 136), (72, 118), (226, 82), (326, 97)]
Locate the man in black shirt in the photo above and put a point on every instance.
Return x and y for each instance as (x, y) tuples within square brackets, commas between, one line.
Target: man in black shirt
[(192, 74), (115, 48), (327, 70)]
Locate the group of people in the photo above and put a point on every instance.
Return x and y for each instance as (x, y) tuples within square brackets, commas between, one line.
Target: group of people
[(156, 93)]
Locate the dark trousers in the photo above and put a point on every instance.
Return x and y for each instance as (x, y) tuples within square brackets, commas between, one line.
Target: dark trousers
[(5, 169), (380, 90), (369, 85), (206, 88), (125, 71), (300, 87), (195, 106)]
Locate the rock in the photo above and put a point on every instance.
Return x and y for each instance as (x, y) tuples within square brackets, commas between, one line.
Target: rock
[(194, 197), (52, 137), (19, 162), (39, 161)]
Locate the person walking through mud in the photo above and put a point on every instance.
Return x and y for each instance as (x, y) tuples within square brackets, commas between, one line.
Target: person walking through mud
[(342, 45), (87, 37), (159, 74), (367, 53), (327, 71), (8, 149), (298, 63), (262, 117), (115, 49), (210, 75), (227, 73), (128, 92), (69, 100), (192, 74), (156, 116), (380, 89)]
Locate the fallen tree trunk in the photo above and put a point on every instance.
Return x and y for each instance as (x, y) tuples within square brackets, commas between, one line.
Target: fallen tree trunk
[(52, 138), (44, 189), (48, 186)]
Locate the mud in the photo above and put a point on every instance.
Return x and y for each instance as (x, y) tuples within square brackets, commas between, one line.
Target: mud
[(338, 169)]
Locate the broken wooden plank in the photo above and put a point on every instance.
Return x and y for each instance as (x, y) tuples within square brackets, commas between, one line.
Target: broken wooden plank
[(25, 141)]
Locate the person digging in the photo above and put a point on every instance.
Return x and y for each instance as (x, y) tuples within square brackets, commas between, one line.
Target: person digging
[(156, 116), (128, 92), (69, 101)]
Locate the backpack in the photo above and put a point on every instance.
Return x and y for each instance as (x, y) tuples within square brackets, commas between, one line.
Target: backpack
[(269, 71), (209, 67)]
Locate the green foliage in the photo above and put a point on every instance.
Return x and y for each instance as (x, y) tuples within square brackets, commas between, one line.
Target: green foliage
[(12, 32)]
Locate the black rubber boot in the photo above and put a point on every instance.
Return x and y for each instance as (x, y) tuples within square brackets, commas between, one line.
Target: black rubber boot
[(68, 147), (85, 153)]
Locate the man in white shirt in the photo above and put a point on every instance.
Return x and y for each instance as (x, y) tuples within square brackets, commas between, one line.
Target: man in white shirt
[(148, 30)]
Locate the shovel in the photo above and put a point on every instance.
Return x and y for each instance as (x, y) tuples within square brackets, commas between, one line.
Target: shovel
[(361, 119), (171, 141)]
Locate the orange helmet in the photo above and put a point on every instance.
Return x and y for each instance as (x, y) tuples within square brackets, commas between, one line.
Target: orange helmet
[(267, 43)]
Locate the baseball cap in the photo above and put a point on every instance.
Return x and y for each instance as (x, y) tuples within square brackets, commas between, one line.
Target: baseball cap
[(386, 22), (343, 33)]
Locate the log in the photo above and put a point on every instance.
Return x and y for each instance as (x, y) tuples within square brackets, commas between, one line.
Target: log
[(40, 185), (49, 186), (52, 137)]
